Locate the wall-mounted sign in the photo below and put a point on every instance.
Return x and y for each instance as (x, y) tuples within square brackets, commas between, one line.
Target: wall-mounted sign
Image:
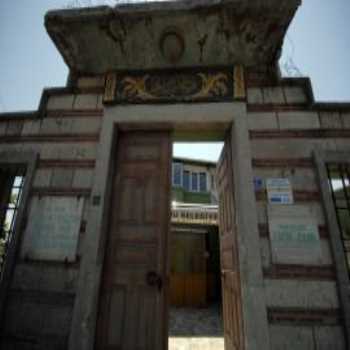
[(53, 228), (258, 183), (294, 236), (279, 191)]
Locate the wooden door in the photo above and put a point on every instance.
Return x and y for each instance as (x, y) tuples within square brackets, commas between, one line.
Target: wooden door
[(133, 296), (230, 277), (188, 282)]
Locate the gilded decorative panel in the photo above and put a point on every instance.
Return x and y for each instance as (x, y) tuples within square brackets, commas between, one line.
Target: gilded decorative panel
[(189, 85)]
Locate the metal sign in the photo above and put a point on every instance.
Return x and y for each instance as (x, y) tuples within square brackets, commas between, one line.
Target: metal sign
[(279, 191)]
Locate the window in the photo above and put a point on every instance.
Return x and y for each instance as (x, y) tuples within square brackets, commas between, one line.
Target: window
[(177, 174), (189, 180), (213, 185), (11, 180), (203, 182), (194, 186), (339, 181), (186, 180)]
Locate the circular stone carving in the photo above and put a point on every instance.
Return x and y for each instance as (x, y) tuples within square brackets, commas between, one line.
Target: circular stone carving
[(172, 45)]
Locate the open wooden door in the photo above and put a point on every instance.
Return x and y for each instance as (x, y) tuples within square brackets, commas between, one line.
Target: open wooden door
[(133, 301), (230, 277)]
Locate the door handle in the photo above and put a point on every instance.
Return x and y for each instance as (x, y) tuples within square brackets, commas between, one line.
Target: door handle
[(154, 280)]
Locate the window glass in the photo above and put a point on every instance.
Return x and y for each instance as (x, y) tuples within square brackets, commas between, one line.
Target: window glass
[(177, 174), (203, 182), (186, 180), (10, 195), (194, 182)]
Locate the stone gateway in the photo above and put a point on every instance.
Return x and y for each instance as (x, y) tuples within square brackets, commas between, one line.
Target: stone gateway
[(85, 204)]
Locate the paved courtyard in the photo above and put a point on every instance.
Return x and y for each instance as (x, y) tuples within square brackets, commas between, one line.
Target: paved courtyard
[(196, 329)]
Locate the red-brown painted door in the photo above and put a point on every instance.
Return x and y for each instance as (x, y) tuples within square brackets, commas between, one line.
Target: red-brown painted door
[(133, 296), (232, 308)]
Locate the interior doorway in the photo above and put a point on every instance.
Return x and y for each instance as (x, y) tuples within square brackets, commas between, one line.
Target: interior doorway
[(195, 303)]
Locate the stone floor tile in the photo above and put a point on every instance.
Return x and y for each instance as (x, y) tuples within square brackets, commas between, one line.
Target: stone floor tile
[(196, 328)]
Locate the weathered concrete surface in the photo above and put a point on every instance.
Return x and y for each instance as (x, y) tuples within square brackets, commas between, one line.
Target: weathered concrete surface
[(294, 94), (330, 120), (331, 337), (30, 127), (265, 250), (85, 101), (42, 178), (3, 127), (316, 211), (291, 338), (288, 337), (98, 40), (301, 294), (255, 96), (262, 121), (60, 102), (298, 120), (293, 148), (90, 82), (273, 95), (346, 119)]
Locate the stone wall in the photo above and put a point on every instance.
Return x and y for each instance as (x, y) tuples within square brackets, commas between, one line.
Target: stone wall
[(64, 133), (286, 126)]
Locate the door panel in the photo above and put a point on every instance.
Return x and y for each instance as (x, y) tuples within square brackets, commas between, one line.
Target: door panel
[(133, 306), (188, 280), (232, 308)]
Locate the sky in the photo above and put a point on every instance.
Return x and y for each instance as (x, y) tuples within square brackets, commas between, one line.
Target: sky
[(317, 45)]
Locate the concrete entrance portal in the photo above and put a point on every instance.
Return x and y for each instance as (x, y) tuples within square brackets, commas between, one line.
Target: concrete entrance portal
[(203, 70)]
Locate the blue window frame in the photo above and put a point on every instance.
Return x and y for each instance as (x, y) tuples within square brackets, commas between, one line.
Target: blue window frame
[(203, 182), (177, 174), (194, 186), (186, 180)]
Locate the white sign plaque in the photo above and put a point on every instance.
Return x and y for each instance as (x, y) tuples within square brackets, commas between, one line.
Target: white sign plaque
[(294, 236), (279, 191), (53, 228)]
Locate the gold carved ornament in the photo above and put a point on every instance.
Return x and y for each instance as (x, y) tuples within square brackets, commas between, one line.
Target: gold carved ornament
[(211, 85), (238, 82), (110, 87)]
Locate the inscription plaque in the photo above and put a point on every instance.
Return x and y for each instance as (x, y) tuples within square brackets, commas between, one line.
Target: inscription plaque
[(294, 236), (53, 229)]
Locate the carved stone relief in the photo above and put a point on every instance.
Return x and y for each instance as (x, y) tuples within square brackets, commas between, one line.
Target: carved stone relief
[(173, 86)]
